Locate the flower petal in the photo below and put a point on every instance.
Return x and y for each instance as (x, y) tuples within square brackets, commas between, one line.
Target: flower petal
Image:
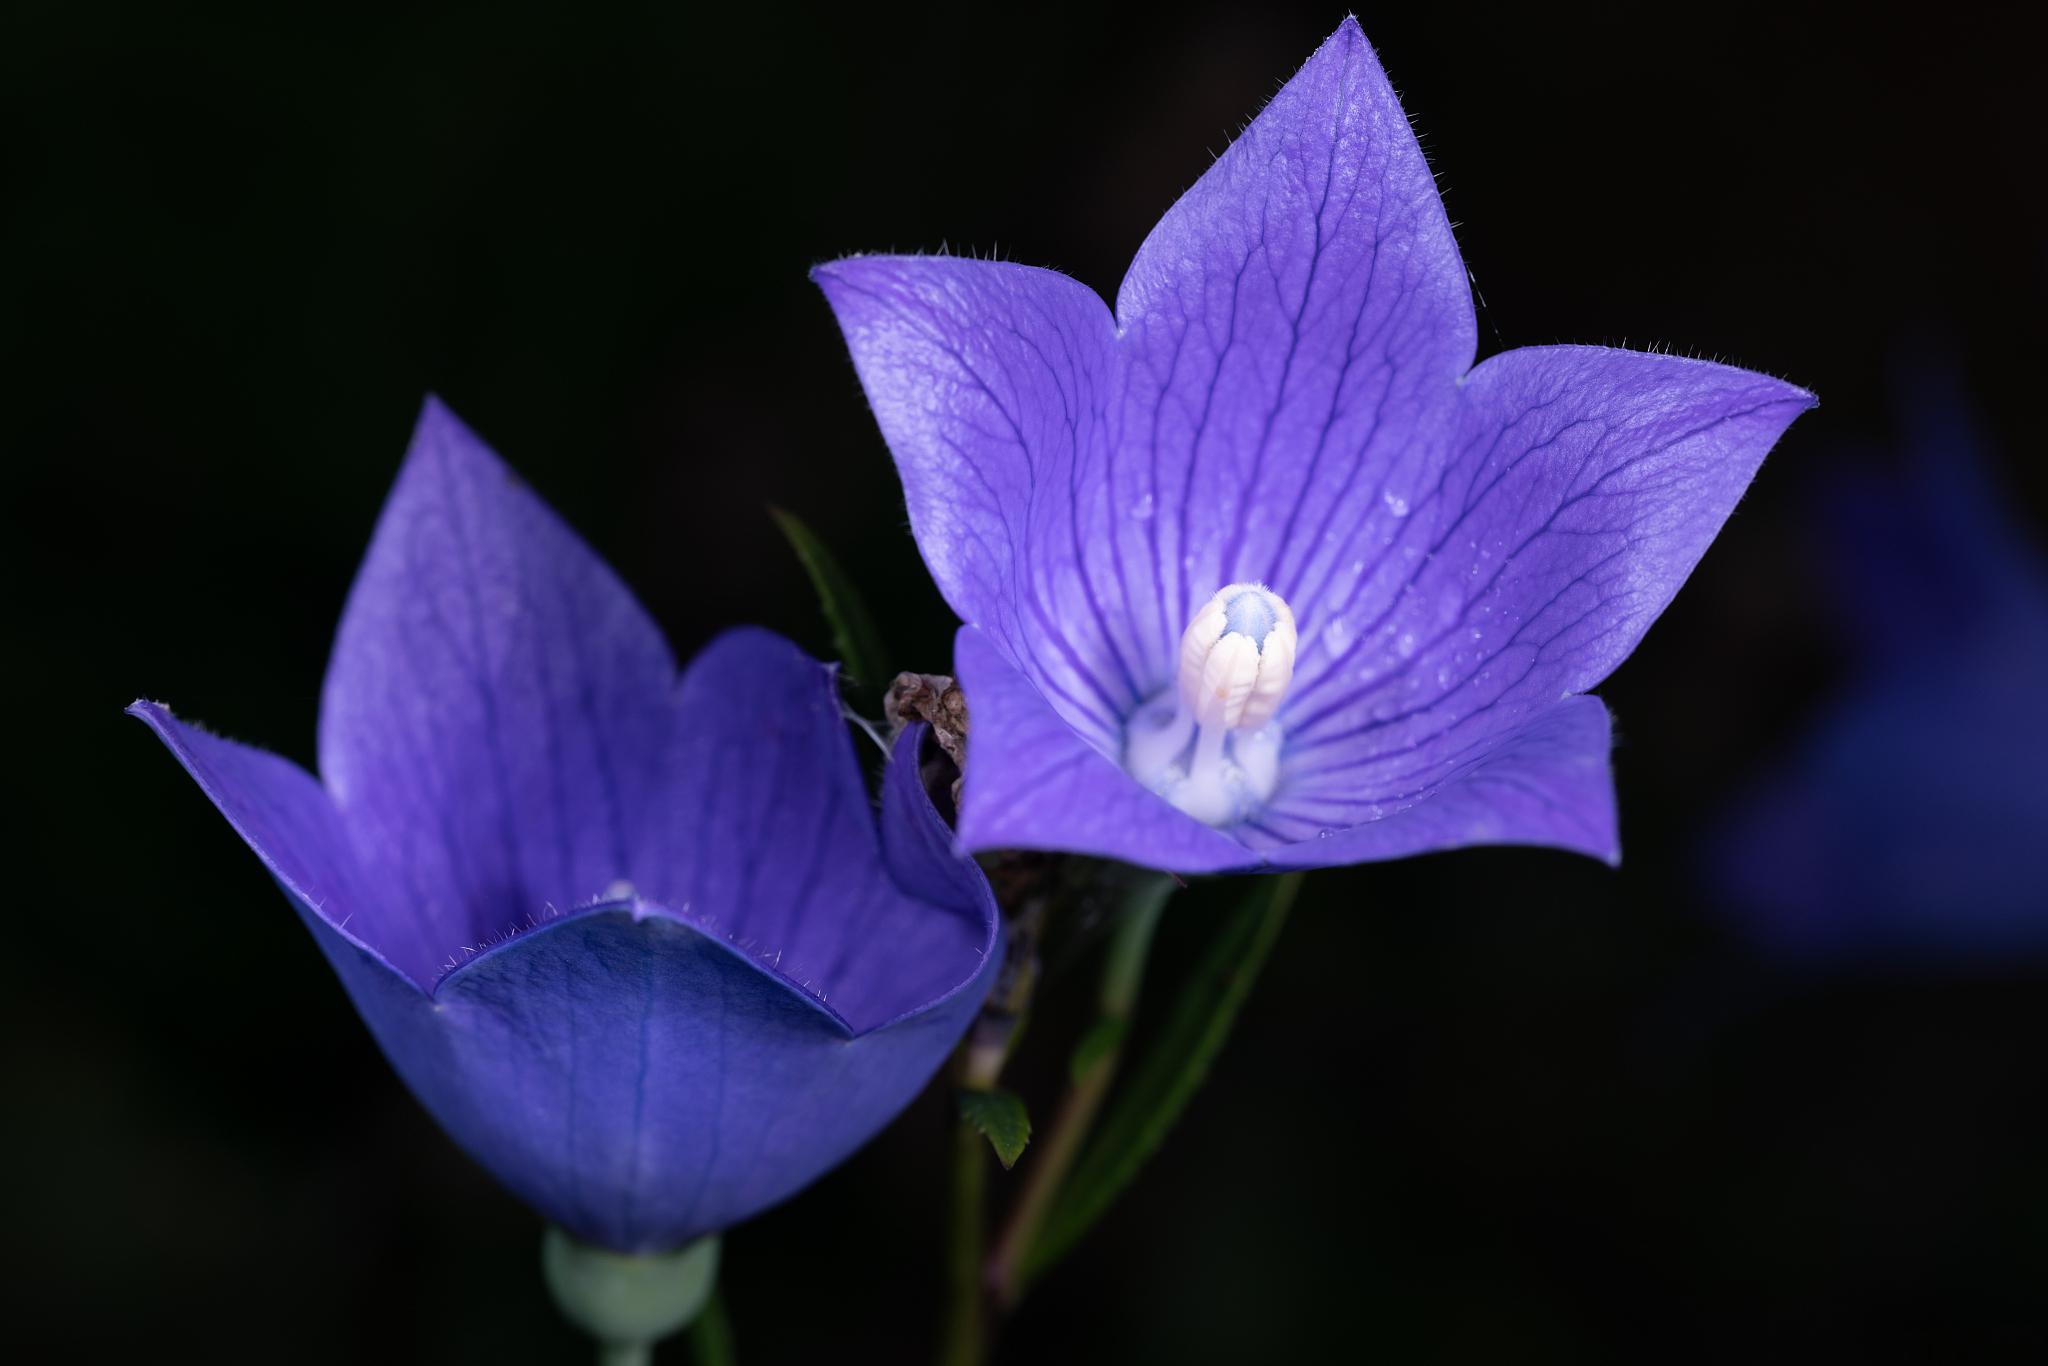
[(1545, 783), (636, 1078), (642, 1083), (1293, 330), (1033, 783), (928, 864), (989, 381), (1585, 485), (284, 816), (497, 703), (762, 835)]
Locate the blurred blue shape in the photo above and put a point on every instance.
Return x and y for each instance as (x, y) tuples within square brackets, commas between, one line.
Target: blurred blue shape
[(1911, 822)]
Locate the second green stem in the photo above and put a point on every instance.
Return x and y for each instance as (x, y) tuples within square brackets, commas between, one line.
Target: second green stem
[(1123, 974)]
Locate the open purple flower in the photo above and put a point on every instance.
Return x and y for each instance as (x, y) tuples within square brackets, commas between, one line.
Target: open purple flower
[(636, 941), (1908, 823), (1261, 570)]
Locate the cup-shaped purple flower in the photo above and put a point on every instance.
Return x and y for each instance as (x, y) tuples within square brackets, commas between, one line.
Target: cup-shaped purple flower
[(639, 942), (1260, 569)]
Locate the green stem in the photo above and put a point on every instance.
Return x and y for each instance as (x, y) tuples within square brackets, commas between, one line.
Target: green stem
[(966, 1341), (625, 1354), (1123, 973), (1024, 887), (711, 1335)]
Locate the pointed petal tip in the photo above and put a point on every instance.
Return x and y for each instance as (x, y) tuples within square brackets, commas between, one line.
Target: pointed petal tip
[(833, 275), (1802, 399), (738, 649), (440, 431), (166, 726), (749, 660), (282, 814), (1607, 848), (156, 715), (441, 424), (836, 280), (1346, 42), (159, 717), (836, 277), (436, 415)]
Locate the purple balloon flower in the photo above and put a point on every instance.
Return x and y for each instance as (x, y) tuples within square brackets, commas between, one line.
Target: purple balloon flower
[(1261, 570), (635, 940), (1908, 824)]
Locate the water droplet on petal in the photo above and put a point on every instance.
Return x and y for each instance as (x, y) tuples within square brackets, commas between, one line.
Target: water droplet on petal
[(1396, 504), (1143, 508)]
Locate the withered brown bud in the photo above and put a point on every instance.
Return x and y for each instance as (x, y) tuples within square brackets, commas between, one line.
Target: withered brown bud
[(937, 701)]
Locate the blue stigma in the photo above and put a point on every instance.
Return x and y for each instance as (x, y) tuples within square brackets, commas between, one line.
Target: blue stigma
[(1249, 614)]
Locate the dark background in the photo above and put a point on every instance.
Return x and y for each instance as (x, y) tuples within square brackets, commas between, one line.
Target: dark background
[(1499, 1106)]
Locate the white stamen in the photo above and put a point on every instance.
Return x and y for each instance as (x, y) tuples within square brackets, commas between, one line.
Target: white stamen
[(1236, 660)]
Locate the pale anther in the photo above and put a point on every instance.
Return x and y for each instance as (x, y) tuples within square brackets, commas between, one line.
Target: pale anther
[(1210, 746)]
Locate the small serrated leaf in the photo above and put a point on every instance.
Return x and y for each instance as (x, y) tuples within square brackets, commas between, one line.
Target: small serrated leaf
[(1205, 1007), (1002, 1120), (853, 630)]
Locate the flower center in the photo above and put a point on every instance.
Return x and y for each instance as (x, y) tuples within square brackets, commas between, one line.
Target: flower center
[(1209, 744)]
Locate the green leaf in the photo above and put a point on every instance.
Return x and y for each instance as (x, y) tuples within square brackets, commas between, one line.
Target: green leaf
[(853, 631), (1173, 1069), (1001, 1118)]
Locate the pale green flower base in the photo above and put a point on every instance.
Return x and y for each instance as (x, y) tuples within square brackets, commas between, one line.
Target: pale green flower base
[(628, 1303)]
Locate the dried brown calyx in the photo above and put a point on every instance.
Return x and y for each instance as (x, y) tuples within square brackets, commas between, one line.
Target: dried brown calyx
[(936, 700)]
